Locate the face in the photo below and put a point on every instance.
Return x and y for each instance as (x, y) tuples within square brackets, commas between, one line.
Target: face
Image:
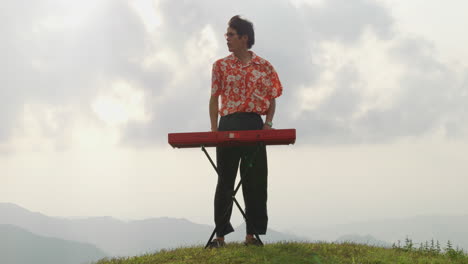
[(234, 41)]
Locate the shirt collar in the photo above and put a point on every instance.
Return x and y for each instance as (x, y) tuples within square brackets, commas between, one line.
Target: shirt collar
[(255, 59)]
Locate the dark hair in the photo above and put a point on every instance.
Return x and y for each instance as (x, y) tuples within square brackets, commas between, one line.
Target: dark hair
[(243, 27)]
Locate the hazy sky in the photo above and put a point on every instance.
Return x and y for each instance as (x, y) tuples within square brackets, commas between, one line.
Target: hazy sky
[(377, 90)]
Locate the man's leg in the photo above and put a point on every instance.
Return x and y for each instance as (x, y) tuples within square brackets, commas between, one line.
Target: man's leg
[(254, 188), (227, 159)]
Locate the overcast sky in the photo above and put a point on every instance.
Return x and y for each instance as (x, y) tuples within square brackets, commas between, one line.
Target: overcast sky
[(377, 90)]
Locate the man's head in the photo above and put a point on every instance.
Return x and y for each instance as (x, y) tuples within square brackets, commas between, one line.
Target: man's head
[(240, 34)]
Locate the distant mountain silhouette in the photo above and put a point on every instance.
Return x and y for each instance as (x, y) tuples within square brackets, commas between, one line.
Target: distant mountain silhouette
[(18, 246), (365, 240), (119, 238), (419, 229)]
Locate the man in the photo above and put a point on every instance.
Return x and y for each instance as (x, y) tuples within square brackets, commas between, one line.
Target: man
[(248, 86)]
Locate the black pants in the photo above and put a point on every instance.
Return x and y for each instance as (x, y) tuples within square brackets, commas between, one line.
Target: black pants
[(253, 171)]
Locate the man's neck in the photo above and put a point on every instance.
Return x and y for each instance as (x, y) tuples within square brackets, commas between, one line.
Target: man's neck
[(243, 55)]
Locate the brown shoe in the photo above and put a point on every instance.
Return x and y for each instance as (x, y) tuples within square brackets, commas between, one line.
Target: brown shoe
[(252, 242), (217, 243)]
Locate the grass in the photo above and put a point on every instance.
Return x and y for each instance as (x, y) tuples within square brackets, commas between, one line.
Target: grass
[(296, 253)]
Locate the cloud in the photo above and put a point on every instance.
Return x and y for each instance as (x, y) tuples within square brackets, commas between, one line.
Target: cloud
[(383, 85), (345, 21), (348, 75), (58, 56), (425, 96)]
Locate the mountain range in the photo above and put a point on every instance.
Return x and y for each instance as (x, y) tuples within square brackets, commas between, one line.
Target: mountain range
[(19, 246), (23, 231), (121, 238), (388, 231)]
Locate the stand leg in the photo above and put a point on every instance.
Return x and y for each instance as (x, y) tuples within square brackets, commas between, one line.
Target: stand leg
[(216, 169), (209, 158), (211, 237)]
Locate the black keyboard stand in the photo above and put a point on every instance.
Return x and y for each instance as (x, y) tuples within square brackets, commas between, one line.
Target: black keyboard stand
[(234, 200)]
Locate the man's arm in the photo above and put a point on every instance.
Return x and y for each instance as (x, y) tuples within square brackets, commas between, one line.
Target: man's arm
[(270, 113), (214, 108)]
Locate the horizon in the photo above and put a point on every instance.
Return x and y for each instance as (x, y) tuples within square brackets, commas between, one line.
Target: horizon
[(102, 231), (210, 224)]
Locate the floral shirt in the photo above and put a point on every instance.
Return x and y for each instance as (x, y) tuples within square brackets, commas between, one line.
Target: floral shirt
[(244, 87)]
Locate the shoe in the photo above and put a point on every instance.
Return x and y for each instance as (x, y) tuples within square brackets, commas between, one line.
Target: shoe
[(217, 243), (252, 242)]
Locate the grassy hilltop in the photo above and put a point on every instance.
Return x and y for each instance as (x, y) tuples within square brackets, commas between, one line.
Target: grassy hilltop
[(298, 253)]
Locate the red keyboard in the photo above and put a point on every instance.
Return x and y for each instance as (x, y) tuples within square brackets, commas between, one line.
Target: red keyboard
[(232, 138)]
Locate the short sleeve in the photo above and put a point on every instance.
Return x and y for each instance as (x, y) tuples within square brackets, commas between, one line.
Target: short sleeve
[(216, 80), (276, 88)]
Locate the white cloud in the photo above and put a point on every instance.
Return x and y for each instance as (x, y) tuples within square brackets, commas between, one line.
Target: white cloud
[(149, 12), (378, 74), (299, 3), (343, 65), (441, 23), (120, 104), (43, 128)]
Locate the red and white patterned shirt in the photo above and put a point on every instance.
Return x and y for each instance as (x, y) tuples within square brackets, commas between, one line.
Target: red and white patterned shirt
[(244, 87)]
